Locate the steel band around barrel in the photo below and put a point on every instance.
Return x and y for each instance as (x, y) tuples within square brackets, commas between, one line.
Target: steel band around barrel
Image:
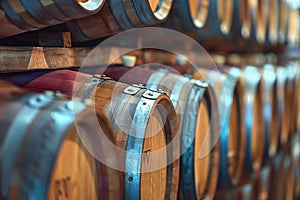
[(37, 10), (119, 13), (48, 133), (226, 99), (135, 144), (141, 8), (71, 8), (184, 14), (212, 22), (251, 84), (15, 18), (89, 87), (15, 136), (154, 80), (188, 142), (54, 11)]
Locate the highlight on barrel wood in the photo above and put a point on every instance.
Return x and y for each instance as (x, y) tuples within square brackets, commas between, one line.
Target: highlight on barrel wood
[(283, 22), (293, 37), (196, 107), (273, 22), (59, 165), (120, 15), (270, 110), (145, 128), (17, 16)]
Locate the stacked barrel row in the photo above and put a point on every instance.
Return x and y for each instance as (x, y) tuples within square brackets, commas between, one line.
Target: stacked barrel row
[(216, 23), (175, 136)]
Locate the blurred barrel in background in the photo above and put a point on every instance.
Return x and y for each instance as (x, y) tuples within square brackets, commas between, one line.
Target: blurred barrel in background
[(145, 125), (43, 153), (117, 16), (17, 16), (197, 109)]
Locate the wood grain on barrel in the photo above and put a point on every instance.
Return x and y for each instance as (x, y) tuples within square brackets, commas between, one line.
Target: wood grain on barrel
[(202, 164), (69, 181)]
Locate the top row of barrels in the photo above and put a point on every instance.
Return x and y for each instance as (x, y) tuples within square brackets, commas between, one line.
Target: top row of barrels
[(268, 22)]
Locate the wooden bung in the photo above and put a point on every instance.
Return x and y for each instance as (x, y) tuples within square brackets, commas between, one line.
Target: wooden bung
[(18, 16), (44, 156), (144, 123)]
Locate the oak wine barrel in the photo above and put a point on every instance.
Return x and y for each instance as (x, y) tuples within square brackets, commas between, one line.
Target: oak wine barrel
[(196, 107), (273, 22), (214, 23), (229, 92), (17, 16), (285, 102), (42, 153), (117, 16), (246, 192), (145, 126)]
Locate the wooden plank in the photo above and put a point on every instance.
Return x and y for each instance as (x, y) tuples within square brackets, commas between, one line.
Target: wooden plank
[(14, 59)]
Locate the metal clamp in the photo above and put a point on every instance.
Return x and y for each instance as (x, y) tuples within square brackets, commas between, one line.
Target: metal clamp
[(132, 90), (150, 94), (200, 83)]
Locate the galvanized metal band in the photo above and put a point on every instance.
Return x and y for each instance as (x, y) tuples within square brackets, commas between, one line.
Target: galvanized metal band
[(225, 101), (15, 18), (176, 90), (184, 14), (89, 87), (188, 125), (131, 13), (47, 135), (212, 25), (155, 79), (54, 11), (15, 136), (73, 9), (119, 13), (142, 8), (134, 148), (37, 10)]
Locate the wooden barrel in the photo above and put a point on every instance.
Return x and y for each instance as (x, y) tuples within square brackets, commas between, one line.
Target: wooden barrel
[(270, 111), (214, 23), (246, 192), (285, 102), (120, 15), (197, 110), (229, 94), (43, 155), (283, 180), (19, 16), (145, 126)]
